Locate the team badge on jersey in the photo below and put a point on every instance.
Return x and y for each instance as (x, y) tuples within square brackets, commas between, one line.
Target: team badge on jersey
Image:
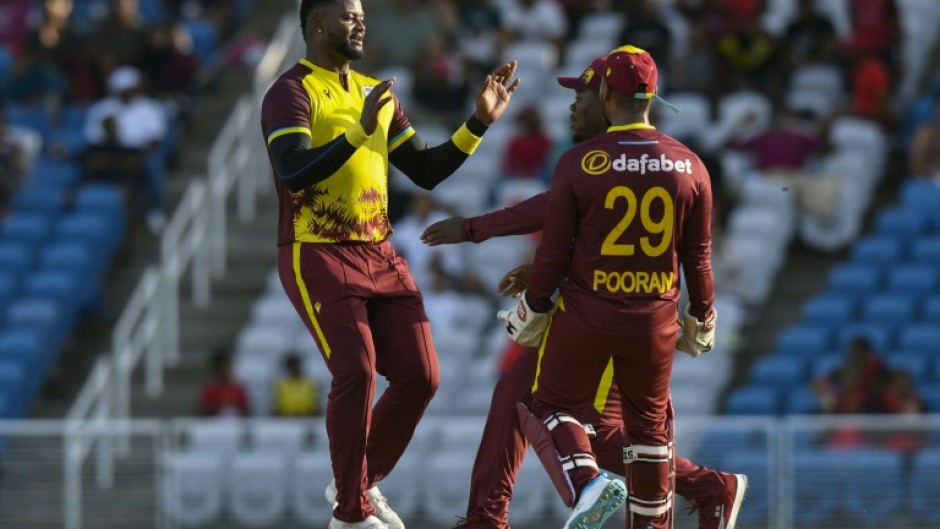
[(366, 90)]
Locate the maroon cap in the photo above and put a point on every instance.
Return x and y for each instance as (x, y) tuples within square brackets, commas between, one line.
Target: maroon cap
[(590, 78), (631, 71)]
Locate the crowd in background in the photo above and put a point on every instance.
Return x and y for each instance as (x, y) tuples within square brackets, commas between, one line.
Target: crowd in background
[(105, 86)]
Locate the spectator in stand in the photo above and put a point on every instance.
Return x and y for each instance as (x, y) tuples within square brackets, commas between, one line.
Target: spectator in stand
[(749, 56), (899, 395), (924, 157), (26, 142), (171, 63), (59, 46), (120, 38), (113, 163), (875, 30), (810, 37), (398, 31), (296, 395), (789, 145), (141, 125), (645, 27), (872, 90), (529, 148), (856, 385), (422, 259), (223, 396), (440, 86), (14, 15), (534, 20)]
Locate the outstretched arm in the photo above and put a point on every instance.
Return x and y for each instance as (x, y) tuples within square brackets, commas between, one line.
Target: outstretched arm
[(525, 217), (429, 166)]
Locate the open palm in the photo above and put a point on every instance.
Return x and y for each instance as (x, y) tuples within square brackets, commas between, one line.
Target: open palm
[(494, 94)]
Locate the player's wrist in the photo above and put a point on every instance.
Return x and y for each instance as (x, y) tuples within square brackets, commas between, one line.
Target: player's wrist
[(476, 125)]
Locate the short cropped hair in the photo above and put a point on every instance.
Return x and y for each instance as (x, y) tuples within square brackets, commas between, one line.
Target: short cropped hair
[(306, 6)]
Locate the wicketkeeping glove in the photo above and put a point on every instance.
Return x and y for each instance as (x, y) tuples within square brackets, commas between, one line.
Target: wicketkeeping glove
[(696, 337), (523, 325)]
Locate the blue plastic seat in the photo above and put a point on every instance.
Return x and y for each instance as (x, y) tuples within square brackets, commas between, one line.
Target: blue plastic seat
[(36, 117), (930, 310), (878, 334), (924, 487), (15, 257), (921, 195), (877, 250), (783, 372), (918, 366), (100, 197), (802, 401), (925, 251), (73, 256), (753, 400), (38, 313), (829, 309), (30, 347), (56, 174), (854, 279), (924, 338), (807, 340), (930, 396), (61, 286), (25, 227), (913, 279), (817, 487), (96, 230), (889, 308), (14, 378), (6, 63), (39, 200), (903, 223)]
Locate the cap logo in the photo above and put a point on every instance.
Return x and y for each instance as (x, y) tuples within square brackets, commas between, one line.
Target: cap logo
[(596, 162), (587, 76), (633, 50)]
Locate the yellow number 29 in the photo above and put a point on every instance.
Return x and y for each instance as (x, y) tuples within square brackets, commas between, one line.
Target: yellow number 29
[(663, 226)]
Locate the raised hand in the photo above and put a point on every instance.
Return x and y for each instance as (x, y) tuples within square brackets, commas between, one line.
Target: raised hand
[(377, 98), (494, 94), (446, 231), (515, 281)]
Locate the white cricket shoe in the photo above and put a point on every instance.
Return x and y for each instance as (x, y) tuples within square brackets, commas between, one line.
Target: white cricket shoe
[(598, 501), (369, 523), (379, 503)]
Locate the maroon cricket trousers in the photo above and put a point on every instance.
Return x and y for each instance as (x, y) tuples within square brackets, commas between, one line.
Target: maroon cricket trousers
[(365, 312)]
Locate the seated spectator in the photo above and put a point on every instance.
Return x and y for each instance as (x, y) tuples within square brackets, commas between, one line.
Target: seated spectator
[(749, 57), (857, 385), (871, 90), (296, 395), (120, 37), (59, 49), (223, 396), (112, 163), (810, 37), (141, 124), (788, 145), (529, 148), (171, 63), (875, 29), (899, 395), (439, 83), (407, 240), (924, 158)]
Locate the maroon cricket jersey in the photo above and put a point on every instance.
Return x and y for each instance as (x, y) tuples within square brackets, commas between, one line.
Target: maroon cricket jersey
[(627, 208)]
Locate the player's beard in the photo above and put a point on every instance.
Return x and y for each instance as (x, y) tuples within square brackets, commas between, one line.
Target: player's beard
[(346, 49)]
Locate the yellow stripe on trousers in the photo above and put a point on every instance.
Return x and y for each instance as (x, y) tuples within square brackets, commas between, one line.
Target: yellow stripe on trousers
[(559, 305), (305, 295), (607, 379)]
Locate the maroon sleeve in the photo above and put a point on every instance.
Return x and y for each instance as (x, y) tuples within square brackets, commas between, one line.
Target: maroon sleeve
[(400, 122), (554, 252), (695, 248), (525, 217), (287, 104)]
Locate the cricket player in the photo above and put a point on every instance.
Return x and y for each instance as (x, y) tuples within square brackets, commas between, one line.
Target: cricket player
[(628, 208), (331, 133), (716, 495)]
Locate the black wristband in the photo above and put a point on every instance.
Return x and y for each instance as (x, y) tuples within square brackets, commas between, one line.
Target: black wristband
[(475, 126)]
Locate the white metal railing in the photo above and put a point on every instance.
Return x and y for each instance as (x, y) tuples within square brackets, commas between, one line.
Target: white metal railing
[(148, 328)]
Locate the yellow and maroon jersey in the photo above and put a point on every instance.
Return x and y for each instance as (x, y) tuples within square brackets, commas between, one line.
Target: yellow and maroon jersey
[(352, 204), (628, 208)]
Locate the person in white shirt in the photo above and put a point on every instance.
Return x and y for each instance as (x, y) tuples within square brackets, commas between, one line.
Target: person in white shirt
[(141, 124)]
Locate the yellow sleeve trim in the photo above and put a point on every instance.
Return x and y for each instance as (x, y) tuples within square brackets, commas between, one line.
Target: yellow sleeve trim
[(287, 130), (396, 142), (356, 135), (465, 140)]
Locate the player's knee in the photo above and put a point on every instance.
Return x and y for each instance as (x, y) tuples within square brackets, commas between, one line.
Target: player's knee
[(418, 385)]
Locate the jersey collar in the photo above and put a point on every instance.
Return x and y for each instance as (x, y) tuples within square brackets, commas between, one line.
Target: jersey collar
[(631, 126)]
